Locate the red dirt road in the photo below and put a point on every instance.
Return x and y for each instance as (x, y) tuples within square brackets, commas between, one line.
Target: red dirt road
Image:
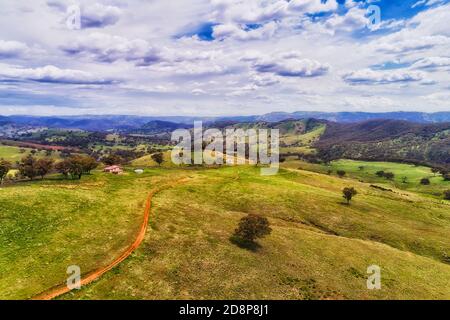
[(94, 275)]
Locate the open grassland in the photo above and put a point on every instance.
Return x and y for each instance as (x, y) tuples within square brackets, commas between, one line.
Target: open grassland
[(14, 154), (305, 139), (49, 225), (320, 248), (147, 161), (366, 171)]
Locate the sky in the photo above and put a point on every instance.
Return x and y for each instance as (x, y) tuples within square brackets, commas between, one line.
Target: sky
[(223, 57)]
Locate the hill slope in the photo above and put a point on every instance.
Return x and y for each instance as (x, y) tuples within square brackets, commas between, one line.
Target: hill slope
[(319, 248), (387, 140)]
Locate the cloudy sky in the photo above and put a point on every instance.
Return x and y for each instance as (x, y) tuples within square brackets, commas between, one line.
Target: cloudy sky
[(223, 57)]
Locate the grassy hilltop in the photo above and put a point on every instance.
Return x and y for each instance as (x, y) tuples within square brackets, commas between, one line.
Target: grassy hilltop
[(319, 248)]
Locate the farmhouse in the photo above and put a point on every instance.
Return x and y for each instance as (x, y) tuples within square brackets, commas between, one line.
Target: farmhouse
[(113, 170)]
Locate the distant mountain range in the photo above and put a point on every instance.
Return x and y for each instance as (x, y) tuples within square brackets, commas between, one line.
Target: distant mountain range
[(127, 122)]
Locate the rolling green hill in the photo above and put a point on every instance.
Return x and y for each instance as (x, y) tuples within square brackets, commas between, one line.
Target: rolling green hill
[(320, 248)]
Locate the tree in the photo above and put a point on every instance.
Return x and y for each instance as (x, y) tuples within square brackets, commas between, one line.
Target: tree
[(87, 163), (27, 167), (63, 167), (72, 166), (435, 170), (447, 195), (43, 167), (252, 227), (5, 166), (425, 182), (404, 179), (380, 173), (389, 175), (76, 167), (341, 173), (349, 193), (158, 158), (112, 159)]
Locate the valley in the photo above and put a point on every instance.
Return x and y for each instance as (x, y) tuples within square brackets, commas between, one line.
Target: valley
[(320, 246)]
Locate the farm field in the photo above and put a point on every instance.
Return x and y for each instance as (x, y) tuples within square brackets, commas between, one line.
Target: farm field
[(319, 248)]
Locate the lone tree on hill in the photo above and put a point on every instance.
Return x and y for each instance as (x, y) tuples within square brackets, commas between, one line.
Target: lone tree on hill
[(341, 173), (252, 227), (5, 166), (158, 158), (349, 193)]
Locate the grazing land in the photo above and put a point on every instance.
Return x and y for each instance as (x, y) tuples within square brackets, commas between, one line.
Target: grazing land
[(49, 225), (14, 154), (367, 171), (319, 248)]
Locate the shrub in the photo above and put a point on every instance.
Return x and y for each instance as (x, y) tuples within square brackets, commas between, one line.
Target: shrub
[(425, 182), (252, 227)]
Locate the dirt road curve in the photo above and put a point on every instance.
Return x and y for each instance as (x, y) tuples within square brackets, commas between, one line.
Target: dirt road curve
[(94, 275)]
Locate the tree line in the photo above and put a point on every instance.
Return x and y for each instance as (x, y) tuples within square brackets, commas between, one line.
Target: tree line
[(31, 167)]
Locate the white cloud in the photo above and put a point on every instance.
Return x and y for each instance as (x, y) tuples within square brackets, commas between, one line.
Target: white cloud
[(432, 63), (50, 74), (233, 31), (93, 15), (368, 76), (291, 66), (413, 44), (12, 49), (224, 57), (107, 48)]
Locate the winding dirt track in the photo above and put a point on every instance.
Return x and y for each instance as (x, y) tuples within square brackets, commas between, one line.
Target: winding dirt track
[(94, 275)]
